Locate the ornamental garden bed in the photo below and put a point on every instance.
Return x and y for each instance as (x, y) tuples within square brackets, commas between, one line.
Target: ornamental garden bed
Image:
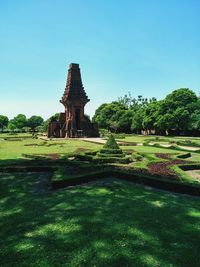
[(160, 170)]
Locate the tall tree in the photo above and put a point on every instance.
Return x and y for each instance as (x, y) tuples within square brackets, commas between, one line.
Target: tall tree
[(35, 121), (19, 121)]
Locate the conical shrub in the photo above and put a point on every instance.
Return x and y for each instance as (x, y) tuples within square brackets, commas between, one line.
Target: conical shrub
[(111, 143)]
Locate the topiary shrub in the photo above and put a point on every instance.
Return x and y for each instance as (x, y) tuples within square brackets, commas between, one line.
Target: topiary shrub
[(110, 149), (111, 143), (111, 153)]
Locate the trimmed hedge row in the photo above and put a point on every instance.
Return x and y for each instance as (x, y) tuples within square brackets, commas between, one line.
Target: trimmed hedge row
[(184, 156), (105, 155), (143, 179), (188, 143), (111, 151), (122, 160), (173, 147)]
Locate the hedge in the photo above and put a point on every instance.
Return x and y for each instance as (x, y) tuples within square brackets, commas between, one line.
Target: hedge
[(110, 151)]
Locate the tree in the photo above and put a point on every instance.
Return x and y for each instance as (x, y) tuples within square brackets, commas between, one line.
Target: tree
[(107, 114), (175, 111), (137, 119), (3, 122), (194, 124), (150, 115), (34, 122), (19, 121), (11, 126), (125, 121)]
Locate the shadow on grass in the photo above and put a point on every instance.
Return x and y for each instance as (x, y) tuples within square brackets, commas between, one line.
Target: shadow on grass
[(104, 223)]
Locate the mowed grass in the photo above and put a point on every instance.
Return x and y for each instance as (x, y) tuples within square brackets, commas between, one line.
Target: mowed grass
[(141, 138), (107, 223), (15, 149)]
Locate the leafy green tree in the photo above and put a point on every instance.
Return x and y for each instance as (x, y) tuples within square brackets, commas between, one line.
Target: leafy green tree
[(150, 115), (19, 121), (194, 124), (11, 126), (124, 121), (182, 97), (137, 119), (3, 122), (106, 114), (34, 122), (175, 111)]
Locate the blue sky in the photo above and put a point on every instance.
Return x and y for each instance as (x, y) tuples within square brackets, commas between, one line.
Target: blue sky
[(147, 47)]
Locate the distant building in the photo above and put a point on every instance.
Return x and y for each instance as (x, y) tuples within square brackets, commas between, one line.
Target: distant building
[(73, 122)]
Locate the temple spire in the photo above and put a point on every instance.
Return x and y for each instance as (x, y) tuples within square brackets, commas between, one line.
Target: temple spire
[(74, 88)]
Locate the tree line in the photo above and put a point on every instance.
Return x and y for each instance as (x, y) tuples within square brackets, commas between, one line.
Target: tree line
[(177, 114), (21, 123)]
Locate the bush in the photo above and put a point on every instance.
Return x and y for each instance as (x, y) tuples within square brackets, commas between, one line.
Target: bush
[(111, 151), (84, 157), (119, 136), (188, 143), (105, 155), (104, 132), (184, 156), (137, 156), (111, 143), (123, 160)]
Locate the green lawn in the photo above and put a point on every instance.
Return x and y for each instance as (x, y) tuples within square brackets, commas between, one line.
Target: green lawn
[(110, 223), (15, 149), (105, 223), (141, 139)]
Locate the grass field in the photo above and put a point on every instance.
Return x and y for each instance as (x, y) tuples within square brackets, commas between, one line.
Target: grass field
[(15, 149), (106, 223), (140, 138)]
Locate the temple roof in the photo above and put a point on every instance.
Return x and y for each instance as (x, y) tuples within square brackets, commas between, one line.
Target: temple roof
[(74, 89)]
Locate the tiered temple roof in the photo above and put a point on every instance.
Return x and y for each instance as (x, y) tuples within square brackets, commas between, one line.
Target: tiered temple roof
[(74, 89)]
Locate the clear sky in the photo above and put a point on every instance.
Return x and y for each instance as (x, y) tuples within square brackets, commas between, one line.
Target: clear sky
[(147, 47)]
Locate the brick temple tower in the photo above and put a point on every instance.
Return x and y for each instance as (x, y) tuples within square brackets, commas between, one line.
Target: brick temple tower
[(73, 122)]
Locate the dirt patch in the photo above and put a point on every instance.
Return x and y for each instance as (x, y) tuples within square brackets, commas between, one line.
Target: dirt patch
[(81, 149), (54, 156), (163, 155), (195, 174)]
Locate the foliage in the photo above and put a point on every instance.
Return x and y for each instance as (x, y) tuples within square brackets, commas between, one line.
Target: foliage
[(111, 143), (18, 122), (3, 122), (178, 113), (35, 121)]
